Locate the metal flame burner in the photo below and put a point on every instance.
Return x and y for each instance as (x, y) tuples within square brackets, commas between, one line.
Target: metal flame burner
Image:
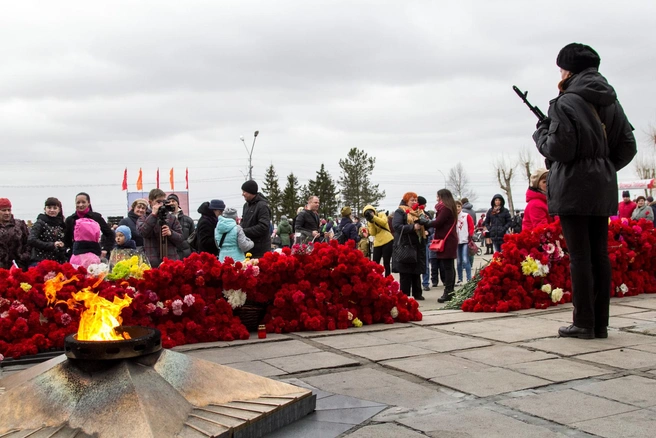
[(143, 340)]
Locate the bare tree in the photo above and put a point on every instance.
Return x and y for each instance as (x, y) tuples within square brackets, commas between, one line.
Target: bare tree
[(458, 183), (528, 162), (645, 168), (505, 174)]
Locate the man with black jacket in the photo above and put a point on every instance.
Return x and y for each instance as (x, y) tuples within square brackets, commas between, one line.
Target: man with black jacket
[(187, 224), (308, 222), (587, 139), (256, 219)]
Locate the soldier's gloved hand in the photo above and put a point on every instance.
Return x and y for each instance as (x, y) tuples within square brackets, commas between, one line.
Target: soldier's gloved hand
[(544, 123)]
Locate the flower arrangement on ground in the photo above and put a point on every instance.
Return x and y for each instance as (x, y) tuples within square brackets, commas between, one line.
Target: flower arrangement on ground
[(325, 287)]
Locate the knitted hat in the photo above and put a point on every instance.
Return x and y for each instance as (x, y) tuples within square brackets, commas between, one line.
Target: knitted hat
[(577, 57), (174, 197), (217, 204), (421, 200), (123, 229), (141, 201), (626, 194), (283, 218), (250, 186), (346, 212), (536, 176), (5, 203), (230, 213), (650, 199)]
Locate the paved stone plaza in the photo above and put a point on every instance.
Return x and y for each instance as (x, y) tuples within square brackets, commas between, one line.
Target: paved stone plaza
[(458, 374)]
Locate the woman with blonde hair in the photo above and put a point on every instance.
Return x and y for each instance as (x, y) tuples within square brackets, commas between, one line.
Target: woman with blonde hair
[(138, 209)]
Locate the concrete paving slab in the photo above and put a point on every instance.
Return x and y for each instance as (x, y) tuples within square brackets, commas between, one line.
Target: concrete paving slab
[(500, 355), (352, 416), (311, 361), (450, 343), (408, 335), (562, 317), (276, 349), (310, 426), (625, 358), (258, 367), (645, 316), (385, 431), (632, 390), (569, 346), (490, 381), (553, 406), (221, 356), (352, 341), (469, 328), (636, 424), (558, 370), (378, 386), (337, 401), (618, 309), (647, 302), (460, 317), (350, 330), (620, 322), (512, 335), (388, 351), (434, 365), (476, 423), (650, 348)]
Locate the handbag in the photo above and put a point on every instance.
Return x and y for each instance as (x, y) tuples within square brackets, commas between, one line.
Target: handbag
[(472, 248), (405, 252), (437, 245)]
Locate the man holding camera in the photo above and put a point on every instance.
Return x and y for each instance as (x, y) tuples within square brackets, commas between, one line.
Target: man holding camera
[(160, 229)]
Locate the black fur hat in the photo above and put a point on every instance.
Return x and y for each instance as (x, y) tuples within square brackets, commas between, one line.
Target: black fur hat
[(577, 57)]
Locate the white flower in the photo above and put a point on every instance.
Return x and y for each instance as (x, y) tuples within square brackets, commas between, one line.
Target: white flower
[(546, 288), (549, 248), (236, 298), (4, 314), (556, 295), (394, 312), (189, 300), (98, 269), (624, 288), (542, 271)]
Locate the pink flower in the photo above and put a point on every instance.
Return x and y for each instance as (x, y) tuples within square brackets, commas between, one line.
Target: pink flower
[(189, 300), (66, 319), (177, 307), (150, 307)]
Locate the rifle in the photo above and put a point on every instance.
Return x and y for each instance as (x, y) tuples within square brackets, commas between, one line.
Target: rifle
[(534, 109)]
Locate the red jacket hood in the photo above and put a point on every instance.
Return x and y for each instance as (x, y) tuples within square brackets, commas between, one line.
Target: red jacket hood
[(534, 194)]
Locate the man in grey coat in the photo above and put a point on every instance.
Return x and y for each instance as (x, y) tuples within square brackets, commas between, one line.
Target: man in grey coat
[(256, 218)]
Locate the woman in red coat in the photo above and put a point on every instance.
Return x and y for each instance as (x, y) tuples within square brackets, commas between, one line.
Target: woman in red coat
[(536, 212), (446, 215)]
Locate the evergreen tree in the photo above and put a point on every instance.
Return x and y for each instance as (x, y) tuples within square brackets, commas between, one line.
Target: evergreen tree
[(357, 189), (272, 191), (325, 188), (291, 197)]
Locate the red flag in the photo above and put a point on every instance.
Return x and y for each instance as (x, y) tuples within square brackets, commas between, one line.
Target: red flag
[(140, 181), (125, 179), (187, 178), (171, 179), (157, 178)]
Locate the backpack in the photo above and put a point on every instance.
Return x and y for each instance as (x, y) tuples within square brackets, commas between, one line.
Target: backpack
[(340, 236)]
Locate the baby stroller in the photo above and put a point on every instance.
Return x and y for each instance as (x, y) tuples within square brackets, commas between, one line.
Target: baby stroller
[(478, 236)]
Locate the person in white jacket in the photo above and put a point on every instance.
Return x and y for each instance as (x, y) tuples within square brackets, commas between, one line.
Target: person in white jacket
[(465, 228)]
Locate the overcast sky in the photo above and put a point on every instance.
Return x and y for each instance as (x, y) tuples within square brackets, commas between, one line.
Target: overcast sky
[(89, 88)]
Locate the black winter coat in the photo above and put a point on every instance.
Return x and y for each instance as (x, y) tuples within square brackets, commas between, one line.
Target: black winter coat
[(347, 227), (131, 223), (305, 223), (404, 233), (498, 224), (585, 154), (205, 230), (43, 235), (188, 226), (107, 239), (256, 222)]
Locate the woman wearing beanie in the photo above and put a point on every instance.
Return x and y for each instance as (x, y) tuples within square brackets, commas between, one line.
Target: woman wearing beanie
[(586, 139), (406, 238), (83, 209), (378, 226), (47, 234), (347, 228), (209, 217), (13, 238), (536, 212), (230, 237), (137, 210)]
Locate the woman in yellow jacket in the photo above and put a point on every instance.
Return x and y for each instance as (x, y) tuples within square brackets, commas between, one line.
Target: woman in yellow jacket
[(383, 238)]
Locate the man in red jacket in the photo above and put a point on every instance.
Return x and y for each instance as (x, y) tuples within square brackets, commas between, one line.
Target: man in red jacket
[(626, 207)]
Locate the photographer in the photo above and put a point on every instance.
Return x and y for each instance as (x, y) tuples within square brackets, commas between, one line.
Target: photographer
[(160, 229)]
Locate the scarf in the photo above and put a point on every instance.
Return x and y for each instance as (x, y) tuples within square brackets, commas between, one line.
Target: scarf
[(83, 213), (412, 217), (85, 246), (496, 209), (57, 221)]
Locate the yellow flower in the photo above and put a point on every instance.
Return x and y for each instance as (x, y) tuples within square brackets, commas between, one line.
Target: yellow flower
[(357, 322), (529, 266), (26, 287)]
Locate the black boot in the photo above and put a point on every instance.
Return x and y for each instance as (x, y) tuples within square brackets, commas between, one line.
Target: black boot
[(576, 332), (490, 250), (446, 296)]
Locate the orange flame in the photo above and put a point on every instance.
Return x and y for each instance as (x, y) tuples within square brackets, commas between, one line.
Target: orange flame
[(54, 285), (97, 323)]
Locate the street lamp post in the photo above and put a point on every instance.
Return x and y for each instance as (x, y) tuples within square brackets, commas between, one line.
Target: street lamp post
[(250, 153), (443, 176)]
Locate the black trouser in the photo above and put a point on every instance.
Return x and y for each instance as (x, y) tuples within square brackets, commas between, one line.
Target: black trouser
[(410, 281), (448, 272), (437, 272), (384, 251), (587, 242)]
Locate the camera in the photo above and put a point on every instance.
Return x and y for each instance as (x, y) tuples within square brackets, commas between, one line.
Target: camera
[(163, 211)]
